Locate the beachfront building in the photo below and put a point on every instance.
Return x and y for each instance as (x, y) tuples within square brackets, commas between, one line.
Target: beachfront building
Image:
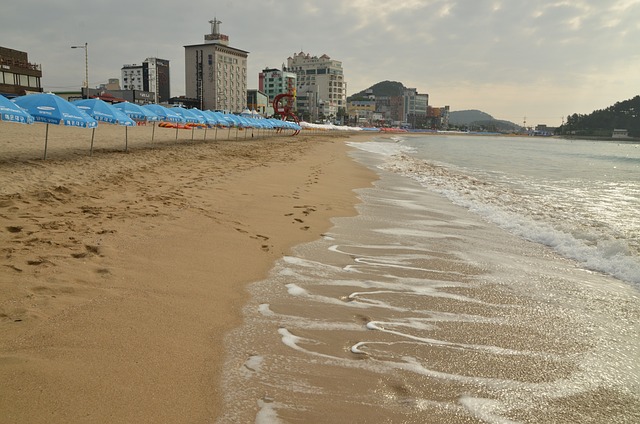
[(272, 82), (391, 108), (18, 76), (112, 84), (321, 89), (362, 112), (437, 117), (216, 73), (151, 76), (415, 108), (259, 101), (620, 133)]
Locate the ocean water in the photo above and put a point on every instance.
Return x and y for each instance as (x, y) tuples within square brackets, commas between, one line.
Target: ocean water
[(484, 280), (581, 198)]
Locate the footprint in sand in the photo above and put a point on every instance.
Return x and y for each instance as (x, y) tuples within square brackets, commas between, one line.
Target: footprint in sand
[(13, 267)]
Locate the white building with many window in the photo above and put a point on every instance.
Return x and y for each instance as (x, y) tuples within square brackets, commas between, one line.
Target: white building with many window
[(152, 76), (321, 89), (216, 73), (272, 82)]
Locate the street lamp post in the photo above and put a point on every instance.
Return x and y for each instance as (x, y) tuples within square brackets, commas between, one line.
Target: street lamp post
[(86, 67)]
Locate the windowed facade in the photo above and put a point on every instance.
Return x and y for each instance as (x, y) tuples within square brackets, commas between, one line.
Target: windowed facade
[(17, 75), (216, 74), (151, 76), (275, 81), (321, 88)]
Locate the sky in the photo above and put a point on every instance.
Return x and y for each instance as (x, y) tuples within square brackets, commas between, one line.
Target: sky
[(519, 60)]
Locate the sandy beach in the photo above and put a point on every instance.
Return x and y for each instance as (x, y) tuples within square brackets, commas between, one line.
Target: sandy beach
[(122, 272)]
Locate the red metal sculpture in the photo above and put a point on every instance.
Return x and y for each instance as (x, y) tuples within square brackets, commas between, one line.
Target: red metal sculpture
[(285, 110)]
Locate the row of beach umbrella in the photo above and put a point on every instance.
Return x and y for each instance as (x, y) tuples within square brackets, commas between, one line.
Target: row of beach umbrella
[(49, 108)]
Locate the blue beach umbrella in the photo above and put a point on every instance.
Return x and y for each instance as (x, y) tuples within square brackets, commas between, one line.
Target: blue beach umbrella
[(211, 117), (98, 109), (103, 112), (188, 115), (123, 119), (52, 109), (217, 118), (136, 112), (207, 119), (164, 113), (11, 112), (231, 121)]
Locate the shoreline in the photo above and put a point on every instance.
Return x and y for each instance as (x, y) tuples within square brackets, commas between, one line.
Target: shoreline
[(123, 272)]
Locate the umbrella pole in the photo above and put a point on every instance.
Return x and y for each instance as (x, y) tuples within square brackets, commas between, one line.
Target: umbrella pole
[(215, 136), (46, 139), (205, 134), (126, 139), (229, 134), (153, 131), (93, 133), (237, 130), (176, 131), (192, 131)]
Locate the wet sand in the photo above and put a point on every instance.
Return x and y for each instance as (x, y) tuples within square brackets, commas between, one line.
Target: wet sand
[(418, 311), (122, 272)]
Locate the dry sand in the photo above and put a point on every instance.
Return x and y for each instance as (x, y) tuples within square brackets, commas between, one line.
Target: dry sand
[(121, 273)]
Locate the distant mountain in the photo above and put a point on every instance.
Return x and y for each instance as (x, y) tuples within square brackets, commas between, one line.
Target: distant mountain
[(476, 119), (467, 117)]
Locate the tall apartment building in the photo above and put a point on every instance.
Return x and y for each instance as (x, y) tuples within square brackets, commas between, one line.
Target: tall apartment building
[(151, 76), (17, 75), (273, 81), (415, 108), (216, 73), (321, 89)]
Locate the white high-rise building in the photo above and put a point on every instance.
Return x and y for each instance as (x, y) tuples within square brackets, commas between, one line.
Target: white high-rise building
[(321, 89), (151, 76), (216, 73)]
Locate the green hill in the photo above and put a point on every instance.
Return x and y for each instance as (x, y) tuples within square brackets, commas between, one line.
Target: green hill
[(467, 117), (384, 88), (601, 123)]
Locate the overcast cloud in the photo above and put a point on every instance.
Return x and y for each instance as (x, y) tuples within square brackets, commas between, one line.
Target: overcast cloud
[(542, 59)]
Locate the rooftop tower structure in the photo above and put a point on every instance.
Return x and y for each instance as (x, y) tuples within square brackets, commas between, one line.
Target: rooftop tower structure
[(216, 73)]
